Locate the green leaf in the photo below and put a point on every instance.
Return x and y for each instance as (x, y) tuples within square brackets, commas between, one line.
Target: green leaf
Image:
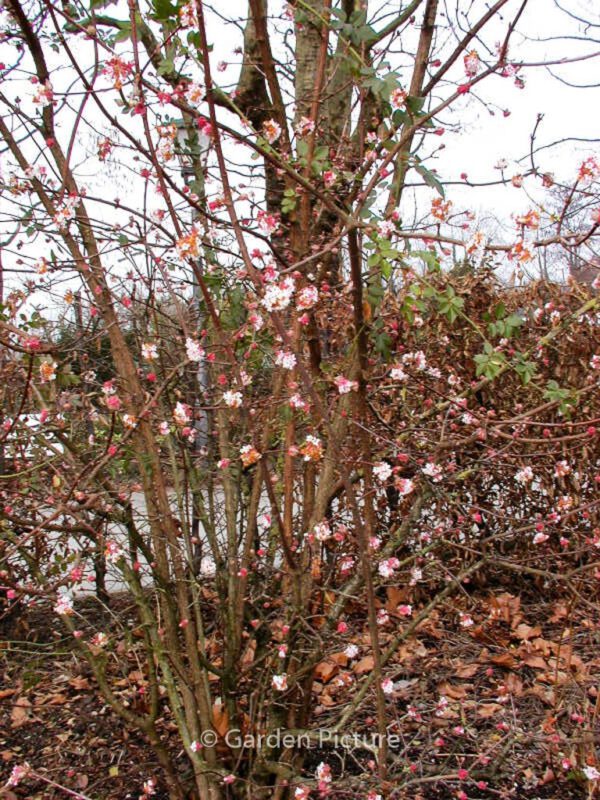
[(430, 178), (430, 259), (525, 369), (386, 268), (124, 32), (489, 363), (166, 66), (164, 9), (450, 304), (415, 104)]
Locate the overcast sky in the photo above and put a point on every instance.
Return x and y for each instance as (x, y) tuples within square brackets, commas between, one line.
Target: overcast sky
[(474, 140)]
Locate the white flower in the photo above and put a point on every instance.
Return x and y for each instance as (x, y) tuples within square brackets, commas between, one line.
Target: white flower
[(524, 476), (591, 773), (278, 295), (404, 486), (285, 359), (193, 350), (19, 772), (387, 684), (305, 126), (182, 413), (351, 651), (323, 772), (44, 95), (386, 228), (195, 746), (307, 298), (280, 682), (194, 93), (561, 469), (417, 359), (64, 605), (344, 386), (256, 321), (382, 471), (382, 617), (48, 371), (398, 374), (232, 399), (346, 563), (298, 403), (271, 130), (416, 575), (386, 568), (398, 98), (322, 531), (113, 552), (149, 351), (433, 471), (595, 362)]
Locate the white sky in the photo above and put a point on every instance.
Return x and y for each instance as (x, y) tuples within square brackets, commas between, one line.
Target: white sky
[(481, 139)]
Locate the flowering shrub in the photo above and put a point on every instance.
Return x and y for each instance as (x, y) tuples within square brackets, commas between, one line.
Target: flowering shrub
[(305, 449)]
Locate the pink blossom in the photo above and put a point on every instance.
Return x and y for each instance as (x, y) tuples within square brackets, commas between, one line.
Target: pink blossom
[(307, 298), (344, 385), (271, 130), (387, 567), (113, 402)]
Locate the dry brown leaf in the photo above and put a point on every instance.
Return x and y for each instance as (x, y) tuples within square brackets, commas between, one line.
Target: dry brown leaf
[(514, 684), (453, 691), (534, 661), (525, 632), (505, 607), (339, 658), (548, 777), (249, 652), (220, 719), (366, 664), (560, 612), (325, 671), (487, 710), (466, 670), (504, 660), (79, 684), (20, 714), (396, 596), (52, 700)]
